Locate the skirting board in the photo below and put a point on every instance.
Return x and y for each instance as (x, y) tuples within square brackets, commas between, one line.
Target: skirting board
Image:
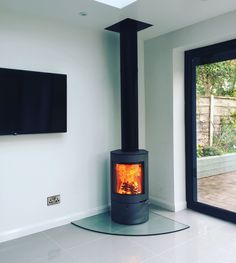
[(168, 206), (35, 228)]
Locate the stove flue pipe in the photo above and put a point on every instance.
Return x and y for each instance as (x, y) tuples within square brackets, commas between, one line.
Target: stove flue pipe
[(128, 30)]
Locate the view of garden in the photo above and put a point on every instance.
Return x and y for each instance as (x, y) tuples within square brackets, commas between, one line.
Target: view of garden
[(216, 133), (217, 80)]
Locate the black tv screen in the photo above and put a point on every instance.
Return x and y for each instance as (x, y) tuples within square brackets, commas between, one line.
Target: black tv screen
[(32, 102)]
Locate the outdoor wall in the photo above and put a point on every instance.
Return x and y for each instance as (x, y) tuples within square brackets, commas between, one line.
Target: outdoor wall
[(164, 79), (74, 164), (210, 111), (214, 165)]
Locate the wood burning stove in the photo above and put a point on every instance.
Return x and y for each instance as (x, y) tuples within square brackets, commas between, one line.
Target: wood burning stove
[(129, 186), (129, 166)]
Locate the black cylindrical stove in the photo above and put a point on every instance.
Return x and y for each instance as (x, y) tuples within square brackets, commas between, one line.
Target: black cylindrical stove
[(129, 166)]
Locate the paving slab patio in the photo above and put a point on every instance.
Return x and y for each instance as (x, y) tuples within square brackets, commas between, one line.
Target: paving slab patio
[(218, 190)]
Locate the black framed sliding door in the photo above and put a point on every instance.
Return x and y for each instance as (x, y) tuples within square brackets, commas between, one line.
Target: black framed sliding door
[(210, 128)]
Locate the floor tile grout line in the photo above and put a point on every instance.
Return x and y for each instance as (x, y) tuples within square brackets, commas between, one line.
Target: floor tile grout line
[(43, 235), (156, 212), (53, 240), (86, 243), (156, 256), (147, 259), (179, 245), (166, 258), (45, 257), (129, 239), (142, 246), (64, 250), (160, 212), (175, 246)]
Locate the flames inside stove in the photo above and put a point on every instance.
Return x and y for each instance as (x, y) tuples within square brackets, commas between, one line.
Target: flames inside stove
[(129, 179)]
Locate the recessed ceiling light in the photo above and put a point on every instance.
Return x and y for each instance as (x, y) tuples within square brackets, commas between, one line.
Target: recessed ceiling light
[(117, 3), (83, 13)]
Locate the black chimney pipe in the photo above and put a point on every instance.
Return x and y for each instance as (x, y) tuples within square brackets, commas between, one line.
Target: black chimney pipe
[(128, 29)]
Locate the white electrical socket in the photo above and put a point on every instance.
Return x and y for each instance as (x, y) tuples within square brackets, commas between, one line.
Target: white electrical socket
[(53, 200)]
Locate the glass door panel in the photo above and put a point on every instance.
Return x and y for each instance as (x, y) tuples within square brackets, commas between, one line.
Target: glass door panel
[(210, 129), (216, 134)]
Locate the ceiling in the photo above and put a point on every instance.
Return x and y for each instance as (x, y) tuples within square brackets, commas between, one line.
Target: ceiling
[(165, 15)]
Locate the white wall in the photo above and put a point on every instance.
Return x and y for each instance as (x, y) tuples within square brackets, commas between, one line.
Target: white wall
[(164, 80), (75, 164)]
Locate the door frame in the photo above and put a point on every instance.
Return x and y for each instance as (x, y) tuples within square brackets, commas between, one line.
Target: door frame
[(209, 54)]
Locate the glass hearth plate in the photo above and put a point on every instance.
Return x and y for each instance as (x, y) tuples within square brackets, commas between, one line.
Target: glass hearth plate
[(156, 225)]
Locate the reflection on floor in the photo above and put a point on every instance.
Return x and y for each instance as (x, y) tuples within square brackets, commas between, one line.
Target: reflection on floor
[(218, 190), (207, 240)]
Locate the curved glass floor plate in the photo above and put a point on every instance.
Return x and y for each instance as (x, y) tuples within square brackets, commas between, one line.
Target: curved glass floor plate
[(156, 225)]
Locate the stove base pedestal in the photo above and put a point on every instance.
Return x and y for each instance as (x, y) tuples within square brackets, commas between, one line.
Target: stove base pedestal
[(130, 214)]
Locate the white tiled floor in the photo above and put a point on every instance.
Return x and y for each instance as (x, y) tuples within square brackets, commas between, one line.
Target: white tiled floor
[(208, 240)]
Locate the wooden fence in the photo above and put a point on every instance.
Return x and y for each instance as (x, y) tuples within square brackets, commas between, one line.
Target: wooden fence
[(210, 111)]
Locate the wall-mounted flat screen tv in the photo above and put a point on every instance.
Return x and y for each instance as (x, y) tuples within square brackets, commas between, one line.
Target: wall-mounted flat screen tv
[(32, 102)]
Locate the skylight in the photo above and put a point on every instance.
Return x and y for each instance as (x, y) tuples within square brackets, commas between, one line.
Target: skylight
[(117, 3)]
